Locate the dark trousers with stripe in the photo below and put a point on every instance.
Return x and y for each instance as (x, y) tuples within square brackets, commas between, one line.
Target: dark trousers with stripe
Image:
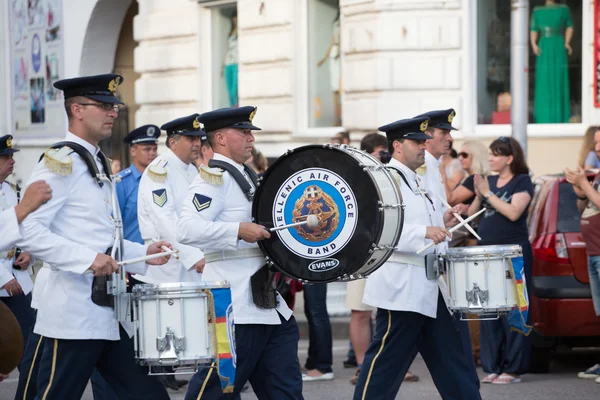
[(398, 337), (27, 386), (67, 365), (267, 356)]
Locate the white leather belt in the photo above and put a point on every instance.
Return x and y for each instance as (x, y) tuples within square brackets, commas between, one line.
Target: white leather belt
[(419, 261), (232, 255)]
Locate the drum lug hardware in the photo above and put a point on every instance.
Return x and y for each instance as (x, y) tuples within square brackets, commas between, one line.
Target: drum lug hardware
[(384, 247), (169, 345), (389, 206), (476, 296)]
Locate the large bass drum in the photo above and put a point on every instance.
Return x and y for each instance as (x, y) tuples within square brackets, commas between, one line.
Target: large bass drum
[(357, 202)]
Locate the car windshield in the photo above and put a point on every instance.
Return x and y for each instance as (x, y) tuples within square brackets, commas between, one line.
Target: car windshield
[(568, 214)]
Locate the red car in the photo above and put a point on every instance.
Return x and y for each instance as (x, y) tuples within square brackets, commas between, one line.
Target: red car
[(561, 301)]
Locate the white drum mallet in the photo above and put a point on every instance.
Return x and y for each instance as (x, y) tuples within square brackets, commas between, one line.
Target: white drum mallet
[(464, 222), (458, 217), (311, 221)]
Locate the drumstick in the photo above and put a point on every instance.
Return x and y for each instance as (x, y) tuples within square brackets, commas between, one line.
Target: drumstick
[(165, 248), (458, 217), (454, 228), (311, 220), (146, 258)]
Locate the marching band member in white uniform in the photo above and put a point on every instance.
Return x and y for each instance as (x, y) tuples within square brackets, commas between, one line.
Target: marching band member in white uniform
[(411, 311), (216, 217), (162, 190), (73, 232)]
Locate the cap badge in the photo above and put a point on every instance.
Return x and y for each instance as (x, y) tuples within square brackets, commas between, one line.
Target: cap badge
[(252, 114), (9, 142), (196, 123), (112, 85), (150, 131), (451, 116), (424, 125)]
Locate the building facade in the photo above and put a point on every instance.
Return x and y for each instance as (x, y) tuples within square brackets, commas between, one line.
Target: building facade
[(313, 67)]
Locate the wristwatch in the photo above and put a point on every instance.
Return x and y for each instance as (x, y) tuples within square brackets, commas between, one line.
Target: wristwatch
[(487, 196)]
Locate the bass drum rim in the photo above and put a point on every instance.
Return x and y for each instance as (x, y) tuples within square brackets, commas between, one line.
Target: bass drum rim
[(376, 222)]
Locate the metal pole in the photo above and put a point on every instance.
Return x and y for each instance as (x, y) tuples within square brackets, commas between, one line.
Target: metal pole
[(519, 69)]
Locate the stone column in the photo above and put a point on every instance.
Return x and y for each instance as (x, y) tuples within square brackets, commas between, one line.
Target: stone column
[(168, 59), (400, 58), (265, 54)]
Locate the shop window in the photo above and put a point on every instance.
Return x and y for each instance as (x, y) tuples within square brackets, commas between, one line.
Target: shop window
[(554, 68), (324, 64), (225, 56)]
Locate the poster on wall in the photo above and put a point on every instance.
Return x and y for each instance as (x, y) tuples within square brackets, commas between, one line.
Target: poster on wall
[(36, 52)]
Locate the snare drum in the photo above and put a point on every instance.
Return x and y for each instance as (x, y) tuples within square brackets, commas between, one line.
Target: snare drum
[(480, 279), (179, 324), (357, 202)]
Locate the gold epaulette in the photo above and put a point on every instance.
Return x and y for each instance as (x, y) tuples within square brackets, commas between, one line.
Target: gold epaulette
[(59, 161), (214, 176), (157, 174), (422, 170)]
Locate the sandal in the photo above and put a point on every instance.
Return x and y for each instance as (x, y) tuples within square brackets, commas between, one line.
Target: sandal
[(490, 378), (506, 379), (410, 377), (355, 377)]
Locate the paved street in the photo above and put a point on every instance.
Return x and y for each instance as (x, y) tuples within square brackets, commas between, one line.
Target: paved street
[(560, 384)]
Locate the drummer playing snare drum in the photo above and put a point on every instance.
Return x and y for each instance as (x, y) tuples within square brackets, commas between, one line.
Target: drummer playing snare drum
[(72, 232), (411, 312), (216, 217)]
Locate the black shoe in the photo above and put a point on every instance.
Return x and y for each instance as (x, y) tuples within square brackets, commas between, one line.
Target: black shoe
[(168, 381), (181, 382), (350, 362)]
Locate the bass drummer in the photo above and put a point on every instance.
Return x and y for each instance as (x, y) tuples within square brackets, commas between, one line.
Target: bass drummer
[(216, 217), (411, 311)]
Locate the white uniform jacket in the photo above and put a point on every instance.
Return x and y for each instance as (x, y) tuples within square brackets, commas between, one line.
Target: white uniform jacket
[(159, 206), (9, 229), (210, 220), (67, 233), (433, 180), (405, 287), (8, 200)]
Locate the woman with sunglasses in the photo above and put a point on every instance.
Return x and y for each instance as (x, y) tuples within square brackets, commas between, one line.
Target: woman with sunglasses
[(473, 158), (505, 354)]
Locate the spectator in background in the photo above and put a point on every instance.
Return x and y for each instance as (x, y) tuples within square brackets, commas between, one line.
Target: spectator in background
[(473, 158), (589, 204), (341, 138), (258, 162), (451, 169), (505, 354), (588, 156), (115, 166)]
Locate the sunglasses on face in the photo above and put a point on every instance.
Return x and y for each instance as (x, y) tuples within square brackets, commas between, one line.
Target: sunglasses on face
[(463, 154), (104, 106)]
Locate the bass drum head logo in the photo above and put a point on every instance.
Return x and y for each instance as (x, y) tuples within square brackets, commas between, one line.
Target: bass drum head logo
[(319, 192)]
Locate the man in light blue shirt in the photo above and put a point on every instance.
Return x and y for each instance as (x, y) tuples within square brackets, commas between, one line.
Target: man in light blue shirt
[(143, 151)]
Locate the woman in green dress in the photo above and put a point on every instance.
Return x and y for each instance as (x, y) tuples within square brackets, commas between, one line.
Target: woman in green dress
[(553, 25)]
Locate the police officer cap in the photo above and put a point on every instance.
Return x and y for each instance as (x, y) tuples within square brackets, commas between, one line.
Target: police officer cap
[(144, 134), (441, 119), (238, 118), (187, 126), (413, 128), (98, 87), (6, 145)]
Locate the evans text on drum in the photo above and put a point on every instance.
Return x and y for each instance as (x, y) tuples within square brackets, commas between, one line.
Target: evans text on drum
[(357, 202)]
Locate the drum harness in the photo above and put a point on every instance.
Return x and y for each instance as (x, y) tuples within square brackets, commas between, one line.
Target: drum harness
[(429, 261), (100, 295), (262, 283)]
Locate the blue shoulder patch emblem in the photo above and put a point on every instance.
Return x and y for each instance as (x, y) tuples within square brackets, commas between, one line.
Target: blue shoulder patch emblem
[(201, 202), (124, 173), (159, 196)]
